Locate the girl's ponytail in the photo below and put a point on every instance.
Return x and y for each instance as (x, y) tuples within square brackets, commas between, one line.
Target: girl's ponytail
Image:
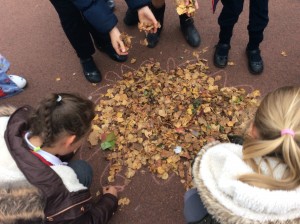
[(277, 121)]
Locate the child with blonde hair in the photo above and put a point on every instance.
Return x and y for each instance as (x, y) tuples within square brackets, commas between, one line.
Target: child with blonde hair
[(258, 182), (36, 184)]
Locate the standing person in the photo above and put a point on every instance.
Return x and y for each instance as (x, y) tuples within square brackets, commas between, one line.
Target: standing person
[(258, 21), (81, 19), (259, 181), (158, 7), (37, 185)]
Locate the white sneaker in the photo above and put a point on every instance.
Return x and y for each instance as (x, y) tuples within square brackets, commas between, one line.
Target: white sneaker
[(18, 80)]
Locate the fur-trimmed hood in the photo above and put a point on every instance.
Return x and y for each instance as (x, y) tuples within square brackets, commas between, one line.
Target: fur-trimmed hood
[(230, 201), (14, 188), (14, 210)]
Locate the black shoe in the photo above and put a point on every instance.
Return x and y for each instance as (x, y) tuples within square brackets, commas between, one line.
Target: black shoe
[(110, 51), (159, 13), (221, 55), (189, 30), (255, 62), (90, 70), (131, 17)]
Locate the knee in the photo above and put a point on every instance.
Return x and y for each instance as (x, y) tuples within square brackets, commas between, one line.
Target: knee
[(83, 171)]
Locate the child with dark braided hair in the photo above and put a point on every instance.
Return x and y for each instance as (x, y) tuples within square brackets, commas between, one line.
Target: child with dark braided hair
[(33, 173)]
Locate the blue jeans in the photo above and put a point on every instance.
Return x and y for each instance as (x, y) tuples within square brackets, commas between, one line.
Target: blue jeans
[(83, 171), (194, 209)]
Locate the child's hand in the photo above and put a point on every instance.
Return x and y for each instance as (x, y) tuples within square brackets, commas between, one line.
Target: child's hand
[(110, 190), (187, 2), (146, 17), (117, 43)]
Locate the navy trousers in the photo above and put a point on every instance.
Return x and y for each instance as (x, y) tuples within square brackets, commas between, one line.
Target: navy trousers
[(78, 31), (258, 20), (83, 171), (75, 27)]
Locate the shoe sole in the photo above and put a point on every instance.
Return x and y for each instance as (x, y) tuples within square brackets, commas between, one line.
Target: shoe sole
[(253, 72), (220, 66)]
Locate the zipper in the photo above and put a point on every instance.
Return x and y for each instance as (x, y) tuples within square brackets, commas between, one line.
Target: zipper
[(50, 218)]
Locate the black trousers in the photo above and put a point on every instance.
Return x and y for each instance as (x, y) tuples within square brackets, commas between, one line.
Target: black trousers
[(258, 20), (78, 30)]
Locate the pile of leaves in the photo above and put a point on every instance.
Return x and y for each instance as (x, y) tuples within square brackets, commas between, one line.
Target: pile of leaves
[(160, 120)]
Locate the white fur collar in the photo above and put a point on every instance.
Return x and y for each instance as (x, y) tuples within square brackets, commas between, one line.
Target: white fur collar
[(9, 171), (219, 169)]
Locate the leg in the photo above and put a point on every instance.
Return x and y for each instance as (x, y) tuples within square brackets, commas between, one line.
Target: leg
[(158, 8), (194, 210), (78, 34), (258, 21), (189, 30), (83, 171), (227, 19), (74, 28)]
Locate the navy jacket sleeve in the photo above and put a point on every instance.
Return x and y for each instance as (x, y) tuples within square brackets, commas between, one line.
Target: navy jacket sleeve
[(97, 13), (136, 4), (100, 16)]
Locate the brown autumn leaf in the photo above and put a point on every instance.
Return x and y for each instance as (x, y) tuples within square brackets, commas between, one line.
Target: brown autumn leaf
[(123, 201), (126, 40), (183, 8), (147, 27)]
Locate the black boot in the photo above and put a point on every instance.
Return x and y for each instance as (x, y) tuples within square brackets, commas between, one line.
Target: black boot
[(221, 55), (90, 70), (255, 62), (159, 13), (189, 30), (131, 17)]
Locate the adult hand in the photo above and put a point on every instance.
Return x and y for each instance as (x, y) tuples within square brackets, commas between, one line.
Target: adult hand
[(146, 16), (110, 190), (117, 43)]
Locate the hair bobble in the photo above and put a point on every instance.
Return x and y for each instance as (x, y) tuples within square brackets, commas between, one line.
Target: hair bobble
[(59, 99), (287, 131)]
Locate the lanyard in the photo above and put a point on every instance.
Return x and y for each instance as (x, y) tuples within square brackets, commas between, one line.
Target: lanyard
[(46, 155)]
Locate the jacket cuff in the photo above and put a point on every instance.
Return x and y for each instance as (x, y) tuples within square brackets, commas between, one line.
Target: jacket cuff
[(98, 14), (112, 200), (135, 5)]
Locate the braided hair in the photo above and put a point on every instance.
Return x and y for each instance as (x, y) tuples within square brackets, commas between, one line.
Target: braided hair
[(60, 114)]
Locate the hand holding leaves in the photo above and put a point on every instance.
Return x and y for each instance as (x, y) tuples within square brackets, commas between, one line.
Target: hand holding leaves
[(146, 17)]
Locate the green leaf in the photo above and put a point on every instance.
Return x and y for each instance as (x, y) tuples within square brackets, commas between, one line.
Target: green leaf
[(107, 145), (197, 103)]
